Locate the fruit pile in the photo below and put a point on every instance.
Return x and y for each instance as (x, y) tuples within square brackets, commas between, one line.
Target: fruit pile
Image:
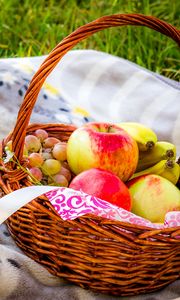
[(124, 164), (47, 159)]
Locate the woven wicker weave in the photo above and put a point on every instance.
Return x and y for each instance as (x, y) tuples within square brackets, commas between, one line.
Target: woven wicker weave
[(90, 251)]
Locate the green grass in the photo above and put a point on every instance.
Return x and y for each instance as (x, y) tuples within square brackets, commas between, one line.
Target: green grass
[(34, 27)]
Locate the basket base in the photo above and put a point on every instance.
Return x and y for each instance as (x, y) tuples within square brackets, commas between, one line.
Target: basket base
[(76, 251)]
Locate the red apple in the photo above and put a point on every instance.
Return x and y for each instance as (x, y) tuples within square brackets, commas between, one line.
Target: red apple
[(105, 146), (104, 185), (153, 196)]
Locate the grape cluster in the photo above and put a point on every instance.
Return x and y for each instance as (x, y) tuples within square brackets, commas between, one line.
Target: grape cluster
[(46, 156)]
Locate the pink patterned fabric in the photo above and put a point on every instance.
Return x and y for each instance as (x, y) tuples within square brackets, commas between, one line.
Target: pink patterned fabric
[(71, 204)]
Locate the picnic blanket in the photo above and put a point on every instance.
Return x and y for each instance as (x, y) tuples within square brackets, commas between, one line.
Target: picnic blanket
[(86, 85)]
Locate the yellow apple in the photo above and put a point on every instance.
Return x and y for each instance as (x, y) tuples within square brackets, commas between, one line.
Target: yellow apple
[(105, 146)]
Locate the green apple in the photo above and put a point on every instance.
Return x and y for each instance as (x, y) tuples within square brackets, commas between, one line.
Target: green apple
[(153, 196)]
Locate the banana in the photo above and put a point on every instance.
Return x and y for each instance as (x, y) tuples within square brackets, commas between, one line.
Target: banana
[(161, 150), (143, 135), (172, 173), (168, 169)]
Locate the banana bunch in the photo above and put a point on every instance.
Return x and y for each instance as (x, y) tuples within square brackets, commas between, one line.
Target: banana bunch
[(161, 150), (155, 157), (144, 136), (168, 169)]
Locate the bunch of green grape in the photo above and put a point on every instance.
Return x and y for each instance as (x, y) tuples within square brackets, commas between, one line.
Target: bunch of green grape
[(47, 159)]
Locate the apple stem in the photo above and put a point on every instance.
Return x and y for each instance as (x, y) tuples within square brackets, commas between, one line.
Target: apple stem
[(109, 128)]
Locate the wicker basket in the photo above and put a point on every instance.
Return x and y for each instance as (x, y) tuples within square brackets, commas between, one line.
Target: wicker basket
[(90, 251)]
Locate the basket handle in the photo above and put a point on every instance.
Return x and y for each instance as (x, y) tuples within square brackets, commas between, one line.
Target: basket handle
[(19, 132)]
